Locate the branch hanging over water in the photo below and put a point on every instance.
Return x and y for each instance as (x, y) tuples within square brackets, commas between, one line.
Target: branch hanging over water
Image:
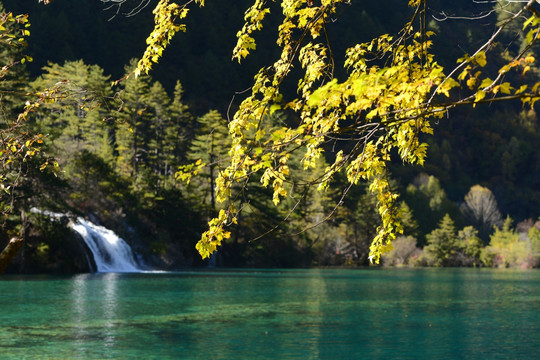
[(9, 252)]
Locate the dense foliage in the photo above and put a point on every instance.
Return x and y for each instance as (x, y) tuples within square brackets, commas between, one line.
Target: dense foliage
[(120, 147)]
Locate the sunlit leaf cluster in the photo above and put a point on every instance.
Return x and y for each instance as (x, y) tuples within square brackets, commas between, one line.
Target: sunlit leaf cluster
[(394, 90), (380, 107), (166, 17), (393, 94)]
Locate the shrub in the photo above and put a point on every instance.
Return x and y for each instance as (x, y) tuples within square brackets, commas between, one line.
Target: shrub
[(506, 249), (404, 248)]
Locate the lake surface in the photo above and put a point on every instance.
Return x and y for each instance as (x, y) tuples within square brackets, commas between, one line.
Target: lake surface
[(274, 314)]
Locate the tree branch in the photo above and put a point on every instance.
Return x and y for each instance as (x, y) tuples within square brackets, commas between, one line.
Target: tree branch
[(11, 249)]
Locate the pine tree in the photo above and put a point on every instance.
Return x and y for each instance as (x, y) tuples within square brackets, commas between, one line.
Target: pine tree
[(428, 202), (211, 146), (132, 122), (180, 131), (442, 243), (158, 106), (470, 245), (76, 121)]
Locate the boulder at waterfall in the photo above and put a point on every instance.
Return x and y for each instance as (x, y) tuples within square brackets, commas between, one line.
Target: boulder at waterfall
[(51, 247)]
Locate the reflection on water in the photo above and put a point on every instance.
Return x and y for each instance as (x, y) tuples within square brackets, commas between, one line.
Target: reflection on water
[(78, 302), (293, 314), (90, 303), (316, 292), (109, 307)]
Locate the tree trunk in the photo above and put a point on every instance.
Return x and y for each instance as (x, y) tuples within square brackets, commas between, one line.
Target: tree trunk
[(23, 235), (9, 252)]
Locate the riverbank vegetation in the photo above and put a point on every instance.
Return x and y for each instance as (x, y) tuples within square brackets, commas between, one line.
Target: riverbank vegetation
[(118, 152)]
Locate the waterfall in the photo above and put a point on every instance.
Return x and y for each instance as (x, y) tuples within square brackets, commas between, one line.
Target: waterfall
[(111, 253)]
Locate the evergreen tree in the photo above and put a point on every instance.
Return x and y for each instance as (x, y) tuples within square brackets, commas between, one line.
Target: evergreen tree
[(359, 225), (315, 233), (211, 146), (158, 106), (132, 123), (179, 132), (76, 122), (470, 245), (442, 243), (428, 202)]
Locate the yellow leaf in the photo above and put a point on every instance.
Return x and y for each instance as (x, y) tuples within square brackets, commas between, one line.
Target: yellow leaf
[(480, 94), (480, 58), (521, 89), (486, 82), (505, 88), (471, 82)]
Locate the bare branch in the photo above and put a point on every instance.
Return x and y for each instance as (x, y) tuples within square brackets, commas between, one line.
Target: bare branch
[(118, 4)]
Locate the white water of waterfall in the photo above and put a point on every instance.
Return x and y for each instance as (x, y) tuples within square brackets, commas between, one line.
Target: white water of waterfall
[(111, 253)]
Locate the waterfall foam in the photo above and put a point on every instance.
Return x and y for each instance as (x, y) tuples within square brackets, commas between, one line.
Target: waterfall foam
[(111, 253)]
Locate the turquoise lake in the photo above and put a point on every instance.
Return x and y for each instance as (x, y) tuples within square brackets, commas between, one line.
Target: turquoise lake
[(273, 314)]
